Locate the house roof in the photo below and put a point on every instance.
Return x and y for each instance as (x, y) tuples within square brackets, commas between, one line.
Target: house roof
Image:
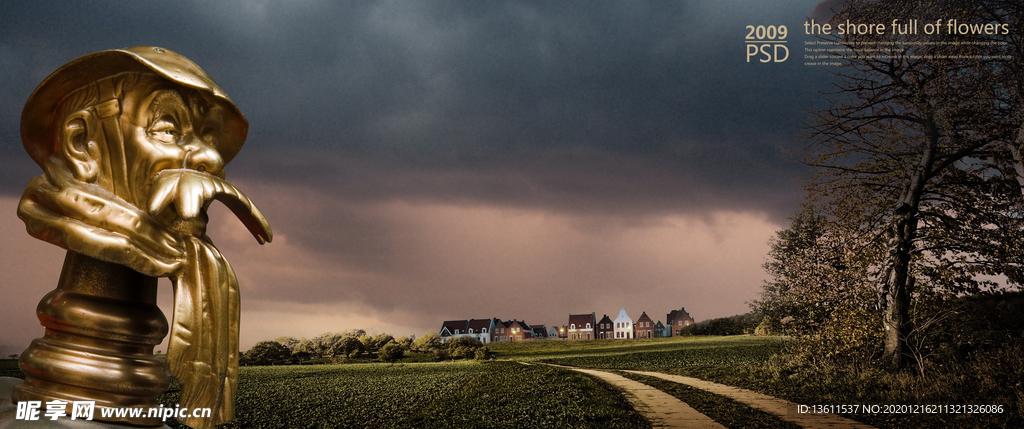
[(581, 319), (455, 326), (622, 317), (681, 314), (522, 324), (684, 314), (644, 317), (479, 324), (605, 319)]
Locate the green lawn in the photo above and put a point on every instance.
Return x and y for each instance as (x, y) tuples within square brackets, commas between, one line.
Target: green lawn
[(9, 368), (547, 349), (429, 395), (994, 377), (495, 394), (658, 354), (507, 394)]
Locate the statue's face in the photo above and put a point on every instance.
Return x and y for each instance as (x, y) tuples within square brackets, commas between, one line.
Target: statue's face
[(166, 126)]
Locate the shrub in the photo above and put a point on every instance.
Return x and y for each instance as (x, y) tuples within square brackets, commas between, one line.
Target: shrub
[(427, 343), (464, 347), (765, 328), (391, 352), (380, 340), (438, 355), (266, 353)]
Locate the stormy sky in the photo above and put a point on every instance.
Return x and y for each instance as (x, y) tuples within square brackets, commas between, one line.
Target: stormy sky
[(428, 161)]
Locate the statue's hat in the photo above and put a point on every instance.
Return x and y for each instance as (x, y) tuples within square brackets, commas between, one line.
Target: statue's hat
[(38, 124)]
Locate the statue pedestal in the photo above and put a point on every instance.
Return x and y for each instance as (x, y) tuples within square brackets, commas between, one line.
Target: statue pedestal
[(102, 323)]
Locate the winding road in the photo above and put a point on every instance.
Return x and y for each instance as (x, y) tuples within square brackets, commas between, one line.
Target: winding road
[(667, 411)]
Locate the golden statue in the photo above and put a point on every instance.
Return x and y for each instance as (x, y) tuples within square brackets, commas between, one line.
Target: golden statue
[(133, 143)]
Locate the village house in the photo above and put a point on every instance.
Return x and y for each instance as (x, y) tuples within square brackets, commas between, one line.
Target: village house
[(604, 328), (453, 328), (644, 327), (510, 330), (540, 332), (553, 333), (500, 331), (519, 331), (563, 332), (581, 326), (623, 325), (677, 320), (480, 329)]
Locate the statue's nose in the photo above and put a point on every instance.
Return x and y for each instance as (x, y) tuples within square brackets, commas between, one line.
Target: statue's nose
[(202, 156)]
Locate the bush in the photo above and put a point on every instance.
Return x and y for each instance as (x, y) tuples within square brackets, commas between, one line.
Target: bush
[(464, 347), (380, 340), (266, 353), (427, 343), (765, 329), (405, 342), (391, 352), (438, 355)]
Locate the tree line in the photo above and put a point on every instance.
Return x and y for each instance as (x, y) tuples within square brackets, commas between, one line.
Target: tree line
[(357, 345), (740, 324)]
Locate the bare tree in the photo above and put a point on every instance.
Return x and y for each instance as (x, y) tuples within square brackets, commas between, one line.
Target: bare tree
[(912, 140)]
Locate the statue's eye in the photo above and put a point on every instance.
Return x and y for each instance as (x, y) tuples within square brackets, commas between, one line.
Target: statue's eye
[(210, 135), (165, 130)]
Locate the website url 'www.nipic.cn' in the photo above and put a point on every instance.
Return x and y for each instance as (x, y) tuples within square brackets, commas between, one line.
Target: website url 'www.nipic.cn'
[(85, 410)]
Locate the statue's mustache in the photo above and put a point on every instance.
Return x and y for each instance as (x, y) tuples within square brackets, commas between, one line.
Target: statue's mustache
[(192, 190)]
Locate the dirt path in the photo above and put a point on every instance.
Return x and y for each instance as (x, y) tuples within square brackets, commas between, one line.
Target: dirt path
[(666, 411), (783, 409), (660, 408)]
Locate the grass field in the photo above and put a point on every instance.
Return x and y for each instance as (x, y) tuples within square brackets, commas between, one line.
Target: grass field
[(9, 368), (464, 394), (646, 354), (429, 395), (496, 394), (507, 394)]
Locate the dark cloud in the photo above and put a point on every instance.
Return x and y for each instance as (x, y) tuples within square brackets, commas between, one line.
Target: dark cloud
[(825, 10), (546, 95), (422, 161)]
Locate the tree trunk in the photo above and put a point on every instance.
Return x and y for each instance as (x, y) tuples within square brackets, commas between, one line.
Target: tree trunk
[(897, 284), (896, 289)]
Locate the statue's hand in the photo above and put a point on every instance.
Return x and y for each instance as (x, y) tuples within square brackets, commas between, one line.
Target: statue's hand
[(191, 192)]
